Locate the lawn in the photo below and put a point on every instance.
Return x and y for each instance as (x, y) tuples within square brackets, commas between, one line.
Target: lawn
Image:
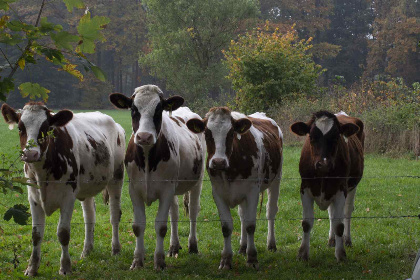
[(383, 248)]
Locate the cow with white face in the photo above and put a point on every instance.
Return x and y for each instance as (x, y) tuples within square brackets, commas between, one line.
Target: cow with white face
[(163, 159), (69, 156), (331, 167), (244, 159)]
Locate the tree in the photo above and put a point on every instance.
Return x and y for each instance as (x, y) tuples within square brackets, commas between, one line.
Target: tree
[(186, 39), (267, 66)]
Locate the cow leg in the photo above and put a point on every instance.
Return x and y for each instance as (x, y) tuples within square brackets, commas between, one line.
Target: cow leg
[(63, 234), (331, 234), (250, 224), (348, 210), (243, 242), (338, 226), (227, 227), (307, 224), (161, 227), (88, 206), (272, 208), (174, 243), (194, 209), (139, 225), (38, 227), (114, 191)]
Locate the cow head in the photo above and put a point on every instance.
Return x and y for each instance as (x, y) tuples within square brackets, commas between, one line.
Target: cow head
[(325, 132), (146, 105), (219, 129), (34, 121)]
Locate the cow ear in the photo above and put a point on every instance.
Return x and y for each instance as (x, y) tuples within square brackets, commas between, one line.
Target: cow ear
[(242, 125), (120, 100), (196, 125), (61, 118), (9, 114), (300, 128), (349, 129), (173, 103)]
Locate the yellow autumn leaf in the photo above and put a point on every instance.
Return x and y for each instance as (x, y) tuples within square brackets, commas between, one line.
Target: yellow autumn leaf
[(21, 63), (71, 69)]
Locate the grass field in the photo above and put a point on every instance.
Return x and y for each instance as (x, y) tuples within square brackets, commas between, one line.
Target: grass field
[(382, 248)]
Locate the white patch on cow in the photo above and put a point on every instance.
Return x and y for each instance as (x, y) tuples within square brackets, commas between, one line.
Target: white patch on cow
[(341, 113), (324, 124), (346, 139), (11, 126), (238, 136), (260, 115), (219, 123)]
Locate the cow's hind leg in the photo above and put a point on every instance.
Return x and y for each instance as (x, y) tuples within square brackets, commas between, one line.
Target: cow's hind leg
[(88, 206), (63, 234), (307, 224), (243, 241), (272, 208), (194, 209), (348, 210), (114, 190), (38, 227), (174, 246)]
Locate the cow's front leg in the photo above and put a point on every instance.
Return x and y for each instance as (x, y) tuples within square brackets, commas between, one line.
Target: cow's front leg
[(174, 243), (227, 227), (161, 227), (114, 191), (38, 227), (194, 209), (337, 208), (250, 224), (63, 234), (272, 208), (88, 206), (331, 234), (307, 224), (139, 225), (243, 241)]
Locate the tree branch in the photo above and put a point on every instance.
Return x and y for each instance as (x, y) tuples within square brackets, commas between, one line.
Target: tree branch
[(6, 58)]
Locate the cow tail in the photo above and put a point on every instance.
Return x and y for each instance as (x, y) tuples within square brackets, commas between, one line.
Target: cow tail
[(105, 196), (261, 203), (187, 203)]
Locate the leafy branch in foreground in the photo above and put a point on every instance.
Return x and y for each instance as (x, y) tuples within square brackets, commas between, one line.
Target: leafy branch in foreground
[(60, 44)]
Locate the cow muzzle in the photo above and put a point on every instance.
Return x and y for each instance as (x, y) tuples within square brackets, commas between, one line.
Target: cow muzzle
[(322, 165), (219, 164), (31, 156), (144, 139)]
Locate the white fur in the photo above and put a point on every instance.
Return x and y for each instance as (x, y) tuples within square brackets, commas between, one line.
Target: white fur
[(324, 124)]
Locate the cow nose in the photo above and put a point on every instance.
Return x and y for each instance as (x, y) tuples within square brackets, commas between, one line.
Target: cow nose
[(321, 164), (30, 156), (144, 138), (219, 163)]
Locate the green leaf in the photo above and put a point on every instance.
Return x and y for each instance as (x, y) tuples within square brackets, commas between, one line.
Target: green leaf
[(6, 85), (63, 39), (70, 4), (19, 212), (49, 26), (4, 4), (98, 73), (33, 90), (90, 30), (54, 55), (10, 39)]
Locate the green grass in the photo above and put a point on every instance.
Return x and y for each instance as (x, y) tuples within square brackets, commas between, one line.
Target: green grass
[(382, 248)]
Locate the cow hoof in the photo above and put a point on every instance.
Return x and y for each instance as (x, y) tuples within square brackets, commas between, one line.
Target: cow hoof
[(331, 242), (137, 263), (226, 262), (303, 254), (253, 265), (116, 249), (193, 248), (242, 250), (31, 272), (347, 241), (341, 255), (86, 252), (160, 261), (272, 247), (65, 271), (174, 250)]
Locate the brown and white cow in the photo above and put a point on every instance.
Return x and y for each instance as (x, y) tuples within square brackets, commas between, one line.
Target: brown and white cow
[(331, 166), (83, 156), (244, 159), (163, 159)]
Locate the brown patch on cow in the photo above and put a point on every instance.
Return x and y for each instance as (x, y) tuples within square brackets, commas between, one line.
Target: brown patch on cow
[(101, 152), (134, 153), (23, 137), (119, 172), (105, 196), (118, 141), (226, 230), (60, 155), (103, 178), (82, 169), (87, 147), (197, 163), (180, 119), (91, 177), (36, 237), (136, 230), (64, 236), (159, 152), (72, 181), (176, 121), (162, 231), (339, 230), (306, 226), (250, 229)]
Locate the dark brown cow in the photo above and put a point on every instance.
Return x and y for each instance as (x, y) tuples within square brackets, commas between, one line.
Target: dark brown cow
[(244, 158), (331, 166)]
